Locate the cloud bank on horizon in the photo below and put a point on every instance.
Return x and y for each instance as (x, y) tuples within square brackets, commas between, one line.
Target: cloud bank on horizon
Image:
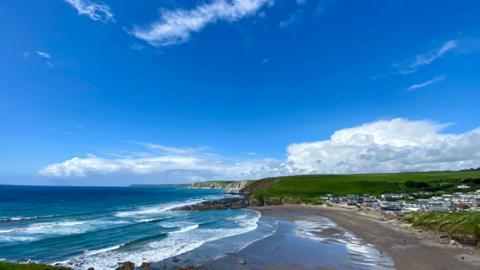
[(383, 146)]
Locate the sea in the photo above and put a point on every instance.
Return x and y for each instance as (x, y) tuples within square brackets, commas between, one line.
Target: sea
[(98, 227), (82, 227)]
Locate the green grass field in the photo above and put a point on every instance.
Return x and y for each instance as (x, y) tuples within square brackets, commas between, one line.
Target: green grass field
[(28, 266), (307, 187), (457, 224)]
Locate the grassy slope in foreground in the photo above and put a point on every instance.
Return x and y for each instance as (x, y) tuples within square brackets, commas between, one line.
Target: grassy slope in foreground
[(28, 266), (307, 187), (462, 226)]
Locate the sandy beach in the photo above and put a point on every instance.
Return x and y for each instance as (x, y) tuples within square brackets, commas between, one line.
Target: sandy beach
[(407, 248)]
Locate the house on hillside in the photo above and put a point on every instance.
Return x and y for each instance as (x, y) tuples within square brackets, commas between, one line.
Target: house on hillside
[(438, 207), (392, 196)]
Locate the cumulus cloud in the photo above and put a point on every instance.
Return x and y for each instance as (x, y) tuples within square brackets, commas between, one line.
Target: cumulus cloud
[(387, 146), (95, 11), (166, 162), (176, 26), (383, 146), (426, 58), (417, 86)]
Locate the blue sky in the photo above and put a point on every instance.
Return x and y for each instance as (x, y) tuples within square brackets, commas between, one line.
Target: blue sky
[(119, 92)]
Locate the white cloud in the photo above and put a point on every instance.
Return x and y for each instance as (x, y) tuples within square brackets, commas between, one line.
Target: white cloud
[(426, 58), (382, 146), (387, 146), (426, 83), (95, 11), (176, 26), (44, 54), (166, 162)]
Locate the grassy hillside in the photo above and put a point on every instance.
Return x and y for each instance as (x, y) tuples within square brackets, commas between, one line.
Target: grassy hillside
[(462, 226), (307, 187), (28, 266)]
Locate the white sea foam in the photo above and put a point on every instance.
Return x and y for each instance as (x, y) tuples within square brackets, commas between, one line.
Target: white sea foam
[(186, 239), (185, 229), (145, 220), (103, 250), (164, 207), (16, 238), (154, 210), (45, 229), (20, 218), (362, 253), (15, 218)]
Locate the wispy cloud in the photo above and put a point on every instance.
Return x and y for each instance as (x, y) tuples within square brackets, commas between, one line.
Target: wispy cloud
[(95, 11), (44, 54), (427, 58), (426, 83), (176, 26), (171, 150)]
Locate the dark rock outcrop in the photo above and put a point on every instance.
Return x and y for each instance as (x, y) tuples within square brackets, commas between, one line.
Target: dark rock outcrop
[(227, 203), (145, 266), (465, 239), (241, 261), (126, 266)]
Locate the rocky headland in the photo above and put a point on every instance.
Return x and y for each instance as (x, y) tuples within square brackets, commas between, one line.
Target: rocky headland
[(221, 204)]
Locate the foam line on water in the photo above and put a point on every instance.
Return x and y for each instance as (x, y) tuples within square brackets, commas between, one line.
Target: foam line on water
[(161, 208), (184, 240), (41, 230), (185, 229), (103, 250), (18, 218)]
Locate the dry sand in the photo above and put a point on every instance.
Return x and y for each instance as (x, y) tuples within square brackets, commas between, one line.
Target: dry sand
[(408, 248), (285, 249)]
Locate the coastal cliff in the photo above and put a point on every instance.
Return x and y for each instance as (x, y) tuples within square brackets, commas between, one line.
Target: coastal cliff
[(229, 186)]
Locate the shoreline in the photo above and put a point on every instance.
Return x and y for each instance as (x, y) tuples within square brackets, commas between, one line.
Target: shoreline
[(409, 248)]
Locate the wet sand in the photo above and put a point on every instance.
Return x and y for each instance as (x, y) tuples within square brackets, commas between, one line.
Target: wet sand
[(408, 248), (285, 249)]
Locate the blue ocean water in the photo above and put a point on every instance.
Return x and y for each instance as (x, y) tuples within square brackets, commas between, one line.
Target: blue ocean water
[(101, 226)]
